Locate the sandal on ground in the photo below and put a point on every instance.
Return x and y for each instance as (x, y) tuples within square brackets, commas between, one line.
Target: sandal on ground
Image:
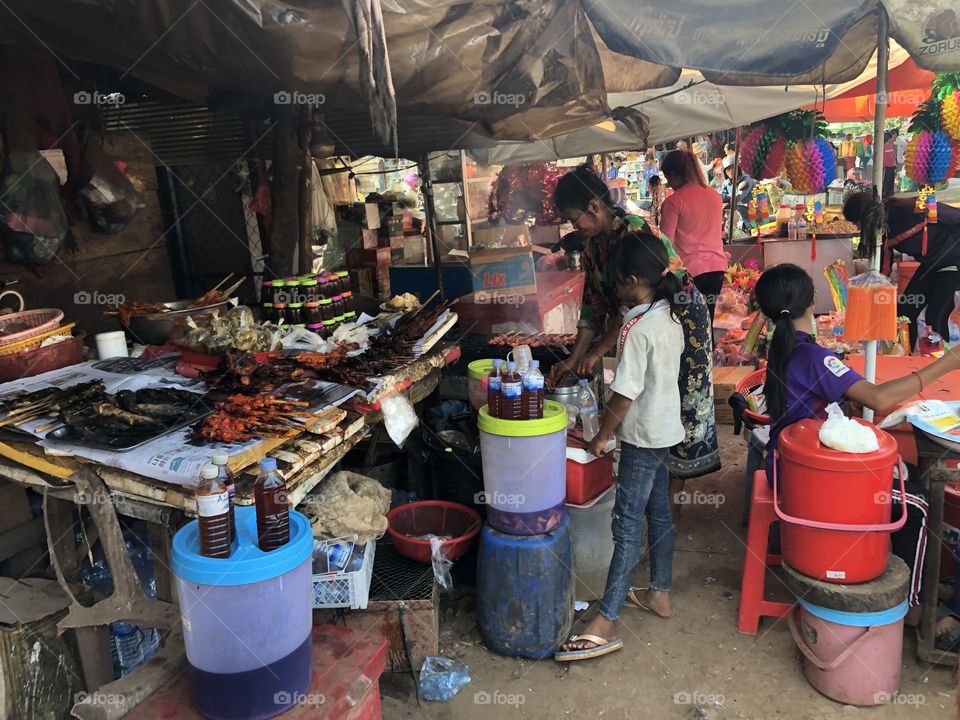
[(600, 647), (634, 598)]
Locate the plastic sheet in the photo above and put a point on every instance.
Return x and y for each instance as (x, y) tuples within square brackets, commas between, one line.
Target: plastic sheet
[(441, 678)]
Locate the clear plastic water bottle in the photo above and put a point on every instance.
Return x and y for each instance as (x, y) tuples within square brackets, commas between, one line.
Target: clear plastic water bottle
[(493, 388), (125, 646), (589, 415)]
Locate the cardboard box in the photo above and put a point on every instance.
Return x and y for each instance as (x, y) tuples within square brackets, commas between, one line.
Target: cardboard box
[(500, 236), (725, 381), (372, 282), (723, 413), (358, 258), (394, 226), (503, 270), (365, 215), (355, 236), (414, 248)]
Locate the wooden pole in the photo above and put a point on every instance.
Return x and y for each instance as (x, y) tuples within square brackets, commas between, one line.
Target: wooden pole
[(287, 165)]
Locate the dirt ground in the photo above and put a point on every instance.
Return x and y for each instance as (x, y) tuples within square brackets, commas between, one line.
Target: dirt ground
[(695, 665)]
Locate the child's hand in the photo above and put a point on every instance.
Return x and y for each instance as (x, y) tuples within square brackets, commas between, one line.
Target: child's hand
[(595, 447)]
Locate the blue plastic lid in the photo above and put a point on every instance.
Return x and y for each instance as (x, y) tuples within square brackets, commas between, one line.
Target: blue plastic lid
[(511, 365), (857, 619), (247, 563), (498, 363), (582, 381), (535, 363), (268, 464)]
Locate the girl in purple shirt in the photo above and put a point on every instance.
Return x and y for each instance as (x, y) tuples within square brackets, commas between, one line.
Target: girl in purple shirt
[(802, 377)]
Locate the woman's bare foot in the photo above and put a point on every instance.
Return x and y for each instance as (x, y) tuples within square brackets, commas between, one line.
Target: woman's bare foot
[(599, 626), (658, 601)]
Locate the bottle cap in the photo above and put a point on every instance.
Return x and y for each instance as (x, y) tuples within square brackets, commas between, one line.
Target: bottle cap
[(220, 458), (315, 326), (342, 273), (535, 363), (511, 365), (279, 283), (498, 363), (267, 283), (325, 301), (582, 381), (279, 306), (268, 464), (337, 297), (209, 471)]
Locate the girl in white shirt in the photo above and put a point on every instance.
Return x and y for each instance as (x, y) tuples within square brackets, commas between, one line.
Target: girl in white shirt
[(646, 408)]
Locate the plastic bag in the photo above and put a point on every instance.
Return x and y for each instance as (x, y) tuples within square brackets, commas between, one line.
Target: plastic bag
[(398, 417), (441, 678), (845, 434), (441, 563), (871, 308), (108, 194), (306, 340), (31, 214)]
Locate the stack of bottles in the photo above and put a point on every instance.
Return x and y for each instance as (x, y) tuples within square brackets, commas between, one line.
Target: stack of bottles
[(317, 302), (215, 510), (513, 395)]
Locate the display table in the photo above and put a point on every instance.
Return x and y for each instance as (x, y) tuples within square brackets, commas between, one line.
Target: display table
[(776, 251), (554, 308)]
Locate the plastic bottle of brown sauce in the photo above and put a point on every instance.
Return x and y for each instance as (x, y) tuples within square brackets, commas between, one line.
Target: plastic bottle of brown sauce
[(272, 507), (511, 394), (220, 460), (213, 513)]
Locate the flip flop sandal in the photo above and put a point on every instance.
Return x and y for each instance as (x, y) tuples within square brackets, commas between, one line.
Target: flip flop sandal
[(634, 600), (601, 647)]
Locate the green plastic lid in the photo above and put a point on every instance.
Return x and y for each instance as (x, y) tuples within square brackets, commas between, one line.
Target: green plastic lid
[(307, 282), (338, 318), (325, 301), (351, 314), (554, 420), (279, 283), (342, 273), (295, 305), (479, 369), (268, 305)]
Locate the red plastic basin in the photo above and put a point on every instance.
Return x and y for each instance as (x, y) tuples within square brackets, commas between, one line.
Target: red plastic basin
[(432, 517)]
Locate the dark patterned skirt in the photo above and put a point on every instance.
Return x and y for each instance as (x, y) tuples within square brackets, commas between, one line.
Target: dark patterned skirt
[(699, 453)]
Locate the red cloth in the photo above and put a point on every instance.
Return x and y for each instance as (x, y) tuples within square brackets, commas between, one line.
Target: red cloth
[(692, 218)]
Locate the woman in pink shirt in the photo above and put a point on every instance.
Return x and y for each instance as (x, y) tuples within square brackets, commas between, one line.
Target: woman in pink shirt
[(692, 218)]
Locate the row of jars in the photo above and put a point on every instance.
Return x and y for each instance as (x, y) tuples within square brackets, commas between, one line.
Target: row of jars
[(306, 288)]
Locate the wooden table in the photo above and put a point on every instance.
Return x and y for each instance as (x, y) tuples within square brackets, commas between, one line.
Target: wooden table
[(932, 459), (307, 460)]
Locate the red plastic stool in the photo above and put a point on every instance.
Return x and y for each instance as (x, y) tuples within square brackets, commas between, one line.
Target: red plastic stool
[(756, 561)]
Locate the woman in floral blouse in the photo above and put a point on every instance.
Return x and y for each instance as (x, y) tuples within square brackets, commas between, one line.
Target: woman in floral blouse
[(584, 200)]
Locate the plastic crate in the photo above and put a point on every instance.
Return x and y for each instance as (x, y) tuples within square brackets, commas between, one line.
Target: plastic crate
[(344, 589)]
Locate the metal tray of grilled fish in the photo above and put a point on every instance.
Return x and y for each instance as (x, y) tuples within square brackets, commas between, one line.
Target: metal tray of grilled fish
[(65, 433)]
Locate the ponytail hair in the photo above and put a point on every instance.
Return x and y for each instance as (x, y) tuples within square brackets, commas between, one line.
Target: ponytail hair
[(784, 293), (578, 187), (643, 255)]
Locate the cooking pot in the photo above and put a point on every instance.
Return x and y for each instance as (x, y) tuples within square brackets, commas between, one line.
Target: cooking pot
[(568, 393)]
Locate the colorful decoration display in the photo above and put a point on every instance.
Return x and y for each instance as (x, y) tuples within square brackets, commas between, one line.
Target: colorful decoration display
[(946, 88), (763, 150), (931, 156), (811, 161), (522, 193)]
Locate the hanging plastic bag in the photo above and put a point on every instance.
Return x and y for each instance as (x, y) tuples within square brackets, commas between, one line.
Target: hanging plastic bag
[(109, 196), (399, 418), (845, 434), (441, 678), (441, 563), (871, 308), (31, 213)]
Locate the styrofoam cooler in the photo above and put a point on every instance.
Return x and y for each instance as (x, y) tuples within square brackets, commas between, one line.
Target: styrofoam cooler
[(247, 620), (525, 470)]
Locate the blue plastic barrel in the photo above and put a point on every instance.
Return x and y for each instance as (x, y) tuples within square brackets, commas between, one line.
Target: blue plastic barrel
[(525, 591)]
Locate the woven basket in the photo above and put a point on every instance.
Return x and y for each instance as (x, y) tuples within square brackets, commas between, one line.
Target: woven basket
[(23, 325), (35, 341)]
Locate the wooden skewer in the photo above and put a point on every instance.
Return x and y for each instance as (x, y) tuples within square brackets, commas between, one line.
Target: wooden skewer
[(222, 283), (48, 426)]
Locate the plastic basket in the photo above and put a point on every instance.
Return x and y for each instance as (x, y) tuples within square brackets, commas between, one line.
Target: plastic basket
[(344, 589)]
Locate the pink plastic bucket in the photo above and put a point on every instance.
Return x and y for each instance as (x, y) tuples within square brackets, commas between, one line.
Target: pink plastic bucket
[(853, 658)]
